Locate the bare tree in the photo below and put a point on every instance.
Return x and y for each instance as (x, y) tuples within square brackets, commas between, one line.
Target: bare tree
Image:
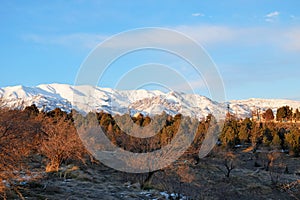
[(61, 143), (18, 134), (228, 164), (229, 167)]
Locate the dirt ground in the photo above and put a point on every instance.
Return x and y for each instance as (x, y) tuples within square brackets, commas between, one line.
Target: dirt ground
[(252, 177)]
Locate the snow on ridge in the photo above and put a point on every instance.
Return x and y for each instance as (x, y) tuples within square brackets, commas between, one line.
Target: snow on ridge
[(266, 103), (87, 98)]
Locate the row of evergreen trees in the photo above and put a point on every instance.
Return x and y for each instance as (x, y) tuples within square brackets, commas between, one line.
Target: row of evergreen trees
[(283, 114), (280, 135)]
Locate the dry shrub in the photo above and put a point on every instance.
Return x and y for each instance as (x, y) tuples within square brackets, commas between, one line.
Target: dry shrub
[(292, 188), (61, 143), (184, 173), (229, 163), (18, 135), (276, 167)]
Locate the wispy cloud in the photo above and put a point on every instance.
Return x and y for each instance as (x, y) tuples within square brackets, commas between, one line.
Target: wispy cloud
[(210, 36), (89, 40), (270, 17), (273, 14), (198, 15), (77, 40), (207, 35)]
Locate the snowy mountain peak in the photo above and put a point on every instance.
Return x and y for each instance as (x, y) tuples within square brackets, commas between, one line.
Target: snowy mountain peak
[(87, 98)]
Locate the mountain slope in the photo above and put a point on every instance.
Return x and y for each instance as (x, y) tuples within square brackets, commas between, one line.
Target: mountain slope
[(89, 98)]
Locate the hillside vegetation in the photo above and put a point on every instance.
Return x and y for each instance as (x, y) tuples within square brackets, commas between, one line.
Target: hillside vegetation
[(41, 152)]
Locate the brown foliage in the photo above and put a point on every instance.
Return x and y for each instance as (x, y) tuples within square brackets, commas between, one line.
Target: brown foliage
[(27, 134), (268, 115), (19, 134), (61, 143)]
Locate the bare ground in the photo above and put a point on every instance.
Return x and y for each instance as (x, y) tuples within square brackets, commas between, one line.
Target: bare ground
[(248, 180)]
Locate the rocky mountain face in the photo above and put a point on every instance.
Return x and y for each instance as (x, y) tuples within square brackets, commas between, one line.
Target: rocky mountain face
[(90, 98)]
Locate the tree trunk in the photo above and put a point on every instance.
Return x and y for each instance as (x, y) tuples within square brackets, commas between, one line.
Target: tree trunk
[(148, 180)]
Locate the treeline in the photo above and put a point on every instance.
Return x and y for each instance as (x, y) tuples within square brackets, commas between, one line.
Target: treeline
[(283, 114), (283, 136), (280, 136), (116, 128)]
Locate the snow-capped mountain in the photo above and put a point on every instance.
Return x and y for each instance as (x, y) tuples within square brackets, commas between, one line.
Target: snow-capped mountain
[(90, 98), (260, 105)]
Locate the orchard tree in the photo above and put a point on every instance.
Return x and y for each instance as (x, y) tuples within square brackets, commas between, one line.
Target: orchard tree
[(19, 138), (276, 141), (229, 134), (296, 115), (245, 130), (31, 110), (268, 115), (292, 139), (61, 142), (284, 113), (267, 136)]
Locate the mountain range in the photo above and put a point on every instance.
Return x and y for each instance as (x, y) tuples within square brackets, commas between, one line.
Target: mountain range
[(91, 98)]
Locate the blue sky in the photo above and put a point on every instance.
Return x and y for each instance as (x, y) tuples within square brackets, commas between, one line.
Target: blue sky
[(254, 43)]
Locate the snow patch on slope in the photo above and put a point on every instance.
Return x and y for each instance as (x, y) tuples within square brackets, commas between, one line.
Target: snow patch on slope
[(86, 98)]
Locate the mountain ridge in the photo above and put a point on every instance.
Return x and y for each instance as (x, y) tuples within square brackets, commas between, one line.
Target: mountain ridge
[(85, 98)]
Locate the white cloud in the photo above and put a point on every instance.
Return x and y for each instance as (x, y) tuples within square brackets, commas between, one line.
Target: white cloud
[(89, 40), (140, 37), (209, 35), (77, 40), (198, 15), (216, 35), (271, 16)]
